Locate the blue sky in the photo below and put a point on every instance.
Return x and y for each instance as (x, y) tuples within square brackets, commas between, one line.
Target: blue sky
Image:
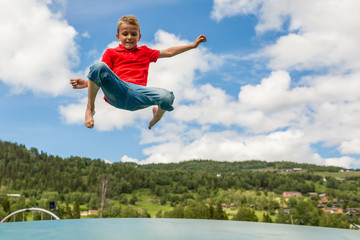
[(277, 80)]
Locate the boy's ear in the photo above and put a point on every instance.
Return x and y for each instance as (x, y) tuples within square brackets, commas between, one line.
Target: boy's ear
[(117, 36), (139, 36)]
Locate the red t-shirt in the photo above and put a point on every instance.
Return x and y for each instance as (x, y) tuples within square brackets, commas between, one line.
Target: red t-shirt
[(131, 65)]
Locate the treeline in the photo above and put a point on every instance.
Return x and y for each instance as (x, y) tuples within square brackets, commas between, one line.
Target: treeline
[(227, 167)]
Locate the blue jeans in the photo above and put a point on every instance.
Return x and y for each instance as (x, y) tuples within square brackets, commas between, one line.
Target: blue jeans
[(126, 95)]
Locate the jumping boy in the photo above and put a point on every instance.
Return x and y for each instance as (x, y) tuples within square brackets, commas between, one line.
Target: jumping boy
[(122, 74)]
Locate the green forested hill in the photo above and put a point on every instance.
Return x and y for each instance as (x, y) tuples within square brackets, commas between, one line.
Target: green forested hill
[(29, 169), (185, 189)]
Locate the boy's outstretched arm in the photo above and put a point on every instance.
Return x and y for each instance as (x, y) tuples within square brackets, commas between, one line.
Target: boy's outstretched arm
[(170, 52)]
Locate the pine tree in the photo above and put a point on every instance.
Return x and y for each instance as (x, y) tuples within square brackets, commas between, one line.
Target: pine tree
[(76, 212), (6, 205), (67, 212), (266, 218), (220, 213)]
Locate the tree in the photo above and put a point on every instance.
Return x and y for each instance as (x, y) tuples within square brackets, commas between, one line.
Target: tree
[(2, 213), (94, 201), (6, 205), (163, 200), (123, 199), (133, 200), (104, 182), (266, 218), (76, 212), (177, 212), (159, 214), (67, 214), (246, 214), (283, 217), (219, 213), (306, 214), (128, 212), (333, 220)]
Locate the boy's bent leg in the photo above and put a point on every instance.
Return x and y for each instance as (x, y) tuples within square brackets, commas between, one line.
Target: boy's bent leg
[(90, 108), (115, 90), (147, 96), (157, 115), (101, 76), (164, 99)]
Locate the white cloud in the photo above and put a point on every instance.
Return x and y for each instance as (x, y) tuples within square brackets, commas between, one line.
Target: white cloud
[(345, 162), (230, 8), (290, 145), (86, 35), (107, 161), (350, 147), (37, 48), (321, 33), (106, 117), (126, 158)]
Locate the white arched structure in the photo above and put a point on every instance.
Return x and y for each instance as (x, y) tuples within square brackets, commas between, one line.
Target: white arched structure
[(28, 210)]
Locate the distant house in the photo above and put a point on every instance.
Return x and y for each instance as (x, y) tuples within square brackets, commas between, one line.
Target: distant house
[(339, 202), (341, 179), (289, 194), (338, 210), (89, 212), (287, 211), (353, 210), (13, 195), (313, 194), (294, 170), (224, 205), (323, 202), (332, 210), (323, 195), (93, 212), (218, 175)]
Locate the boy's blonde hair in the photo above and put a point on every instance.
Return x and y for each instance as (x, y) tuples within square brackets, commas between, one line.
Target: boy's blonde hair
[(129, 19)]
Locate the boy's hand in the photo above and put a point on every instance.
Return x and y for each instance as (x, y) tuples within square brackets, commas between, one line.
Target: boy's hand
[(79, 83), (199, 40)]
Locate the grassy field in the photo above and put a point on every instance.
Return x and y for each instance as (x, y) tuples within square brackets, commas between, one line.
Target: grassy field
[(339, 174), (232, 212), (149, 202)]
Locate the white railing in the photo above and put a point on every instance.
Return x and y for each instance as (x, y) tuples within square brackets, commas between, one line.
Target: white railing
[(28, 210)]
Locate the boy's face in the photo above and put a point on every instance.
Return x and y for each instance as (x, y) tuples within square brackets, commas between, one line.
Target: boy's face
[(128, 35)]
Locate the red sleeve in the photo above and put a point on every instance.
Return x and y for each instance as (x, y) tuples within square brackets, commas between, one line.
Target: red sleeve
[(153, 54), (106, 58)]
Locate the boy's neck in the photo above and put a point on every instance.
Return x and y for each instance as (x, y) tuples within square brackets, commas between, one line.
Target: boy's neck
[(128, 48)]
